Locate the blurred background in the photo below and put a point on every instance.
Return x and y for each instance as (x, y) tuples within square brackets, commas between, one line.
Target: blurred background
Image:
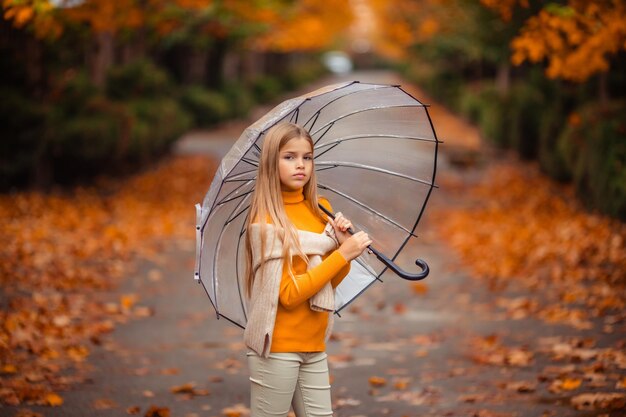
[(98, 86), (113, 117)]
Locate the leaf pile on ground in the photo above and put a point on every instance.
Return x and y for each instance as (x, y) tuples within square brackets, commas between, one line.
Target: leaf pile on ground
[(59, 248), (548, 259), (518, 227)]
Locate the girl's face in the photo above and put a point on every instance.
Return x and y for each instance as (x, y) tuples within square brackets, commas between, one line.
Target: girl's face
[(295, 164)]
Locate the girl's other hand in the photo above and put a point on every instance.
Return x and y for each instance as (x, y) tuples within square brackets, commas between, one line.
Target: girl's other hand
[(354, 246), (341, 226)]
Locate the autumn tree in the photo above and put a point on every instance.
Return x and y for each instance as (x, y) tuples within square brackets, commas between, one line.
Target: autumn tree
[(577, 39), (306, 25)]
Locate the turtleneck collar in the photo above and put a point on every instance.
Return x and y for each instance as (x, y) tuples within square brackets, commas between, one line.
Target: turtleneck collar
[(293, 197)]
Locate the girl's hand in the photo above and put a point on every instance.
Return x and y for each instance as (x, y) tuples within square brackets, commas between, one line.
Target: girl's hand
[(341, 226), (353, 246)]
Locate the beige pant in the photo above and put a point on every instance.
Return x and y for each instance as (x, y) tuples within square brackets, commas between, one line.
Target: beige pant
[(298, 379)]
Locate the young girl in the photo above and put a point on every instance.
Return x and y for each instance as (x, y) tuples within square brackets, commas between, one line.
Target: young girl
[(295, 259)]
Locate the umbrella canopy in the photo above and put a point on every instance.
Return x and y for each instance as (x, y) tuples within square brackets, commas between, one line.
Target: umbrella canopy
[(375, 152)]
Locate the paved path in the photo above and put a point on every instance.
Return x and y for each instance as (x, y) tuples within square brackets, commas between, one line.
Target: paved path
[(416, 339)]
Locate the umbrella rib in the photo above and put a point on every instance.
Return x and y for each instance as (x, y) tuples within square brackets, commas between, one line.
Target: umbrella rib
[(232, 218), (365, 206), (334, 164), (241, 231), (332, 145), (363, 111), (234, 198), (249, 161), (323, 134), (294, 115), (315, 116), (241, 174), (356, 137), (239, 179), (236, 189), (317, 113)]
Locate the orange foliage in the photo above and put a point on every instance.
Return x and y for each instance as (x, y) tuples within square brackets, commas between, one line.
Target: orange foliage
[(306, 25), (401, 24), (100, 15), (523, 229), (575, 39), (59, 249), (39, 13)]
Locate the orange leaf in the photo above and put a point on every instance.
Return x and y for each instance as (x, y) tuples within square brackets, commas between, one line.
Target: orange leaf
[(53, 399), (376, 381)]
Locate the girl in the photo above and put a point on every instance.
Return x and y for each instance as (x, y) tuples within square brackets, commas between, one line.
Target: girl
[(295, 259)]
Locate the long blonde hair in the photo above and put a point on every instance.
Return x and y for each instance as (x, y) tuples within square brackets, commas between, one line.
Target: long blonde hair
[(267, 202)]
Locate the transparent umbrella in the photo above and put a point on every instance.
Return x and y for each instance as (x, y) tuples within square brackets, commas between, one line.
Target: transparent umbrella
[(375, 153)]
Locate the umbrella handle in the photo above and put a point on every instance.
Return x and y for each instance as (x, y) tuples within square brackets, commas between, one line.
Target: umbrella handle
[(388, 262)]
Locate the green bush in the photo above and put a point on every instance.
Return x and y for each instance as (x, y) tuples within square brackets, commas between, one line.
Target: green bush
[(87, 142), (527, 104), (509, 120), (157, 124), (442, 84), (22, 139), (75, 91), (470, 103), (205, 106), (484, 105), (139, 78), (240, 99), (593, 144), (266, 88), (303, 73), (551, 160)]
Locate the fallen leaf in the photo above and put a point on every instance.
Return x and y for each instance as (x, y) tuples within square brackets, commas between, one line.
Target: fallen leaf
[(53, 400), (376, 381), (419, 288), (185, 388), (155, 411), (135, 409), (520, 386), (104, 404), (128, 300), (8, 369), (238, 410), (599, 400)]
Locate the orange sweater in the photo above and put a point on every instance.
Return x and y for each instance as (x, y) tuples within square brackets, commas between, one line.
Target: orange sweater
[(297, 327)]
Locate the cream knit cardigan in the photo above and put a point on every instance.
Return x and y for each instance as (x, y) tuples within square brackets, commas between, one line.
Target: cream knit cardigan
[(263, 301)]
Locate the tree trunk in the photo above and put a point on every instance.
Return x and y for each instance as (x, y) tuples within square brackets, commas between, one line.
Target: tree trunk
[(252, 64), (603, 89), (503, 78), (102, 58), (195, 71), (134, 49), (215, 64)]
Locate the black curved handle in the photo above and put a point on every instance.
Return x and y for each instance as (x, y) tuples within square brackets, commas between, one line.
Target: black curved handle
[(390, 264)]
